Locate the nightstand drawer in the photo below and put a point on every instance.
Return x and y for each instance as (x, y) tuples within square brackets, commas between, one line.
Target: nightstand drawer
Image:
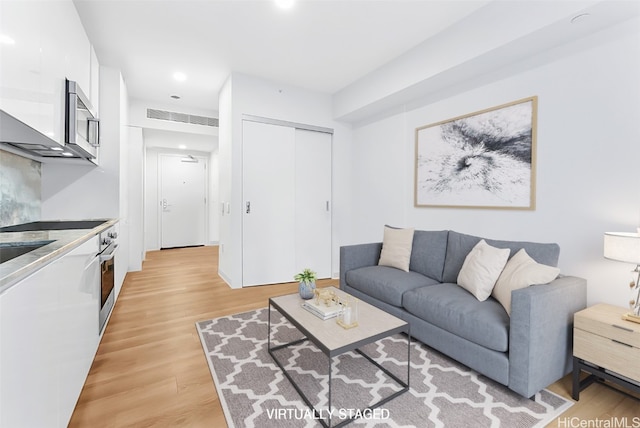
[(610, 354), (605, 321)]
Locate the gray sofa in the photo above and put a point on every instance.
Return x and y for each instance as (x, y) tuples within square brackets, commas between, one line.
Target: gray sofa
[(526, 351)]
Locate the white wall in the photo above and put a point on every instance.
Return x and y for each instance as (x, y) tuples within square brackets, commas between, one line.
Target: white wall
[(114, 92), (135, 184), (588, 147), (77, 192), (249, 95), (138, 117)]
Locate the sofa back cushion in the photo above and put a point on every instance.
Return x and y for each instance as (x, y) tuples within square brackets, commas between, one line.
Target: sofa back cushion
[(459, 245), (428, 253)]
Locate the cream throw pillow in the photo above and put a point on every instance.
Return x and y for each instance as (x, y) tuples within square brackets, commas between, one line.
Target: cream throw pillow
[(520, 272), (396, 248), (481, 269)]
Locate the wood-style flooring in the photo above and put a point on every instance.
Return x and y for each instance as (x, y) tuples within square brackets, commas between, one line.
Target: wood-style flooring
[(150, 370)]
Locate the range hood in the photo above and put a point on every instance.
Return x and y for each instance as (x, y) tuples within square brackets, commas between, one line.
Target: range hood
[(18, 135)]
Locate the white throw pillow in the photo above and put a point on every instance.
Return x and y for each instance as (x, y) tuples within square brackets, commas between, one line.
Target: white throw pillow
[(481, 269), (396, 248), (520, 272)]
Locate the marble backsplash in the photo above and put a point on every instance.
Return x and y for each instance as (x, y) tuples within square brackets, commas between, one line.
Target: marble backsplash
[(20, 183)]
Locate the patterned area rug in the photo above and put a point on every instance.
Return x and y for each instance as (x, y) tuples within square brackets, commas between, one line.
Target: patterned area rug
[(254, 392)]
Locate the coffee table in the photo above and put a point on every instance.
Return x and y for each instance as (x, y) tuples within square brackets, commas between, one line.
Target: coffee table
[(333, 341)]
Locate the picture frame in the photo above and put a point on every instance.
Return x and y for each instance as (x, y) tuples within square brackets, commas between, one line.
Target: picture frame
[(485, 159)]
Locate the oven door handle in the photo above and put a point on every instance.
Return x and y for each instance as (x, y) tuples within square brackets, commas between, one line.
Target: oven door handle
[(107, 257)]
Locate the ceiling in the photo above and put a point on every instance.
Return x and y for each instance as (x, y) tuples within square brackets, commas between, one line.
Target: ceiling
[(322, 45), (338, 47)]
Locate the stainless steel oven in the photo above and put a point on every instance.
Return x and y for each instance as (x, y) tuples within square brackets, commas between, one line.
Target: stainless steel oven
[(108, 246)]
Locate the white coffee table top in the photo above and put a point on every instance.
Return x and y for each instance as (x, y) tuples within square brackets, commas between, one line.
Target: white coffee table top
[(373, 324)]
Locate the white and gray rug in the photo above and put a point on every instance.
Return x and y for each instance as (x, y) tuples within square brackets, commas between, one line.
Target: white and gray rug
[(254, 392)]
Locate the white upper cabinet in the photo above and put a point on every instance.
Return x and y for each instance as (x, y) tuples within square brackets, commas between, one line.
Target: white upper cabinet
[(42, 44), (20, 82), (94, 87)]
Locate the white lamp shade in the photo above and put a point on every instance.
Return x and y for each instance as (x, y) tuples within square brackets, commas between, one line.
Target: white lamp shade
[(623, 247)]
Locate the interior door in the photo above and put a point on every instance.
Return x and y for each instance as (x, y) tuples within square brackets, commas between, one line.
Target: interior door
[(313, 202), (268, 241), (183, 202)]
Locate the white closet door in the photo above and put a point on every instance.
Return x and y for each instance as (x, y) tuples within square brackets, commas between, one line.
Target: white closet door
[(268, 240), (313, 202)]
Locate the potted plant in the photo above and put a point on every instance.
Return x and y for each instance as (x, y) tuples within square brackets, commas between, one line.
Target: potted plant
[(307, 280)]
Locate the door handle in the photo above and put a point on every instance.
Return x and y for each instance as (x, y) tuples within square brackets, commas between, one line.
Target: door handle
[(248, 207)]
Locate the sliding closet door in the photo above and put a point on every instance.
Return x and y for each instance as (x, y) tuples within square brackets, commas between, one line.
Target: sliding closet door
[(268, 238), (313, 202)]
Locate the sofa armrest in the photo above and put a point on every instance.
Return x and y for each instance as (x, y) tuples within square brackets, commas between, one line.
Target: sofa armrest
[(541, 332), (357, 256)]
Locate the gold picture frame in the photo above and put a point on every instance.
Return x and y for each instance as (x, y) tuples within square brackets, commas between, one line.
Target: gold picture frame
[(485, 159)]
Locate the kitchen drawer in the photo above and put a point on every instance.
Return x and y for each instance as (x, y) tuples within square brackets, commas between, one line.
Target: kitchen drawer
[(605, 320), (609, 353)]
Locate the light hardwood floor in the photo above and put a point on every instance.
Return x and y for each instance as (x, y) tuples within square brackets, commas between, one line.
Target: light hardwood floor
[(150, 369)]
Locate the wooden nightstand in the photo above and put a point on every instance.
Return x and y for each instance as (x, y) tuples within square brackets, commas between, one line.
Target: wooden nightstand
[(607, 347)]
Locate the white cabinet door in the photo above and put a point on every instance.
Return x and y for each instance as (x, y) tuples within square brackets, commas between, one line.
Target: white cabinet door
[(20, 91), (48, 338), (28, 353), (78, 337), (268, 236), (65, 54), (45, 43), (94, 90), (313, 202)]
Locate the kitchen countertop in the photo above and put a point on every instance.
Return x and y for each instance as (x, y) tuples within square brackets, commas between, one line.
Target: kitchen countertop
[(64, 241)]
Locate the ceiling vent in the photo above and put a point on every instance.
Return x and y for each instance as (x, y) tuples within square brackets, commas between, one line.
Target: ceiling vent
[(181, 117)]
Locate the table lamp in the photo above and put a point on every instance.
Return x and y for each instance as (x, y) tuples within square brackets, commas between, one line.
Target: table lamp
[(625, 247)]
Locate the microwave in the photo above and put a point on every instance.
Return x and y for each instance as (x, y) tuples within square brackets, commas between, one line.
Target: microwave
[(82, 126)]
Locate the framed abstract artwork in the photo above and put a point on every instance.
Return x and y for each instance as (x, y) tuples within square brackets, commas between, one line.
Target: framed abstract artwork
[(485, 159)]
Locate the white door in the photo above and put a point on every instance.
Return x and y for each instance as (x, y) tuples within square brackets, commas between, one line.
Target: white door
[(268, 239), (313, 202), (183, 202)]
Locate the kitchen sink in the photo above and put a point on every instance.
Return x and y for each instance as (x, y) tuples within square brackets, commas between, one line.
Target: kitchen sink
[(53, 225), (11, 250)]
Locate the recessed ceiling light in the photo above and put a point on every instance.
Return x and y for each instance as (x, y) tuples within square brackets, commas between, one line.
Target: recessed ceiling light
[(67, 154), (179, 76), (182, 146), (57, 149), (285, 4)]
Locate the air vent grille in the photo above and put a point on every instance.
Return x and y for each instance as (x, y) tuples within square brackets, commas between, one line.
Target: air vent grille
[(181, 117)]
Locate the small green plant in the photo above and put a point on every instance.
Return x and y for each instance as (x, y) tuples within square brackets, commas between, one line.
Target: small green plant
[(306, 275)]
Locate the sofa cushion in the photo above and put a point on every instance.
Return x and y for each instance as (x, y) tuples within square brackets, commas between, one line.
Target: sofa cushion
[(520, 272), (455, 310), (459, 245), (386, 283), (481, 269), (428, 252), (396, 248)]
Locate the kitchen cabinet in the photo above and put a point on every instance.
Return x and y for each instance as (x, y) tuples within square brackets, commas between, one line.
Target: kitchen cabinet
[(48, 338), (43, 43), (94, 85)]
